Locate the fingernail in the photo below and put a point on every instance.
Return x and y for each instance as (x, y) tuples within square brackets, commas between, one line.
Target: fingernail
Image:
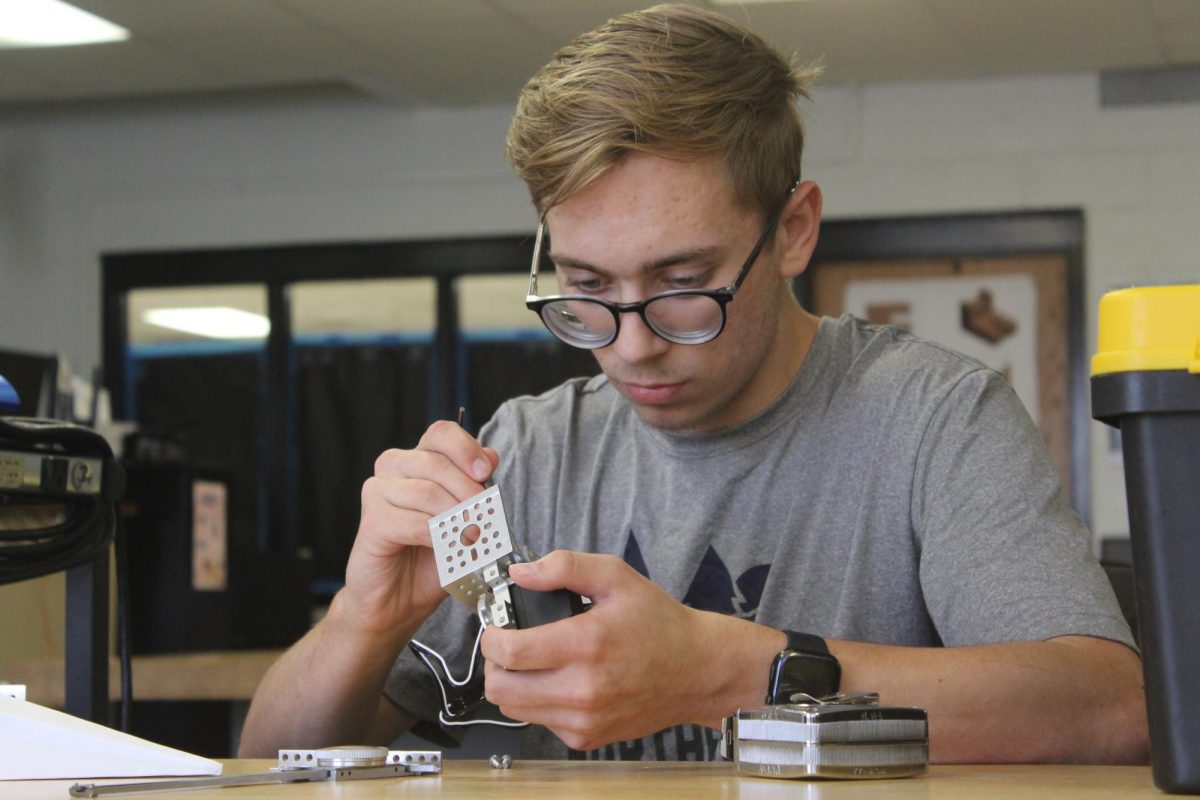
[(480, 469), (524, 568)]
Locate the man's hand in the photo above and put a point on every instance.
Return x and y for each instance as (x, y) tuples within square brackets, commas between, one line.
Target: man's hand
[(390, 577), (637, 662), (328, 686)]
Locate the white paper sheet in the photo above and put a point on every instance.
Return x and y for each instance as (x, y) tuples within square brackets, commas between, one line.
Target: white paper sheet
[(38, 742)]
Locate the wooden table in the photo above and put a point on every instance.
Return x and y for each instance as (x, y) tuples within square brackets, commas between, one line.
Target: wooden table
[(533, 780)]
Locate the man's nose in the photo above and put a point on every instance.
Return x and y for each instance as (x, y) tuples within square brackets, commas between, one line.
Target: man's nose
[(636, 341)]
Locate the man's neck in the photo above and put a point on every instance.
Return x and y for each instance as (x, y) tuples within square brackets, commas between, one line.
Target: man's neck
[(794, 339), (795, 332)]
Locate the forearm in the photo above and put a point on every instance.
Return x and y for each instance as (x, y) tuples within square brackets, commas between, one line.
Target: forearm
[(325, 690), (736, 674), (1075, 699)]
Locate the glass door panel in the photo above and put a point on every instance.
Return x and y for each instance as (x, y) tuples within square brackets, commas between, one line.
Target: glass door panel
[(195, 365), (505, 351), (361, 366)]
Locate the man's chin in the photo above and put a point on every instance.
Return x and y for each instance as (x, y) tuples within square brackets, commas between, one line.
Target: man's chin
[(663, 422), (666, 406), (675, 418)]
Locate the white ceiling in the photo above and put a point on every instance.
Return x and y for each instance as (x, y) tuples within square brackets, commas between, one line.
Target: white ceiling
[(466, 52)]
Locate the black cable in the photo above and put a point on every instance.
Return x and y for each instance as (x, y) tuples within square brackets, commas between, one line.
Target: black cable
[(86, 532), (460, 697), (82, 536)]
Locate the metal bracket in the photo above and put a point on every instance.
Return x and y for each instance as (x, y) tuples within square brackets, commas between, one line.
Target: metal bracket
[(346, 756), (473, 548), (334, 764)]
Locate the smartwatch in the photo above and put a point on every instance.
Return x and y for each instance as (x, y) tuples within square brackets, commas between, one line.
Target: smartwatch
[(805, 666)]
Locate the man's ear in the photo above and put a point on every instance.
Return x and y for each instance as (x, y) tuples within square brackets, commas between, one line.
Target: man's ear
[(799, 226)]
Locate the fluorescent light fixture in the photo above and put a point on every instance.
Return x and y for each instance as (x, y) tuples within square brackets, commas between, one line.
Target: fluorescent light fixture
[(215, 322), (52, 23)]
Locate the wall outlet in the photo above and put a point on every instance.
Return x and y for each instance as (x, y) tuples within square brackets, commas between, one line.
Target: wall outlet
[(13, 690)]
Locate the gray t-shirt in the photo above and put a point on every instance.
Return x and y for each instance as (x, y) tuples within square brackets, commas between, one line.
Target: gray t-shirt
[(896, 492)]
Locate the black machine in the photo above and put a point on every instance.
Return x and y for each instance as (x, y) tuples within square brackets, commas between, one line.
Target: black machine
[(59, 485), (195, 583)]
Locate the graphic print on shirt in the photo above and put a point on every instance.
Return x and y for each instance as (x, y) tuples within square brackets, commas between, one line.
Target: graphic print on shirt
[(712, 589)]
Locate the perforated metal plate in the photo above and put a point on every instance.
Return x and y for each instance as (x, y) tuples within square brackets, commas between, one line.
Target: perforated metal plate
[(468, 538)]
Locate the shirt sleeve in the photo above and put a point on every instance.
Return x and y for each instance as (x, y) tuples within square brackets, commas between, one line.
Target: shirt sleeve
[(1002, 555)]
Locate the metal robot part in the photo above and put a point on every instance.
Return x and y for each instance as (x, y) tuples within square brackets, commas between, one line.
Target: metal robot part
[(335, 764), (473, 548)]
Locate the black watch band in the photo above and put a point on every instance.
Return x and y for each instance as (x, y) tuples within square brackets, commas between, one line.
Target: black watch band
[(804, 666), (806, 643)]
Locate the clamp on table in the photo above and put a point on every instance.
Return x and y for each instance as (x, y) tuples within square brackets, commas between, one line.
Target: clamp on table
[(845, 735)]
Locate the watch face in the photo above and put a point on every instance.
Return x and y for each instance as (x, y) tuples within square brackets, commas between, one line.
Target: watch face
[(794, 672)]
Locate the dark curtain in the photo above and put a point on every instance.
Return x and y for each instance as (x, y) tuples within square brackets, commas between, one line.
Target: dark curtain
[(352, 403), (499, 370), (208, 408)]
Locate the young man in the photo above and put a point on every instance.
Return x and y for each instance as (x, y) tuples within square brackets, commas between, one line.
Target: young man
[(743, 479)]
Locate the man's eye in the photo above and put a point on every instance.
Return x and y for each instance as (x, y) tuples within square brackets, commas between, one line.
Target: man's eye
[(684, 281), (585, 285)]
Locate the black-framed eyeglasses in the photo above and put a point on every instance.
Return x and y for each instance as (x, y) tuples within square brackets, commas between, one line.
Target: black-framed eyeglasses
[(682, 316)]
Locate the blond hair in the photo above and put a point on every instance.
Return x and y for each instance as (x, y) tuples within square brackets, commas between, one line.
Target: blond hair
[(675, 81)]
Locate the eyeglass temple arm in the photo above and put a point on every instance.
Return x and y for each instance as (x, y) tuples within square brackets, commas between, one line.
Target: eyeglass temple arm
[(754, 254), (772, 226), (537, 251)]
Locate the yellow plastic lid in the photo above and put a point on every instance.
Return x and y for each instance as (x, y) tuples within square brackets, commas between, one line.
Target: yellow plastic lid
[(1149, 328)]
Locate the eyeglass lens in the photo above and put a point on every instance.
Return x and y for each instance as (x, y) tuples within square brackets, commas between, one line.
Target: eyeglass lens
[(684, 319), (581, 322)]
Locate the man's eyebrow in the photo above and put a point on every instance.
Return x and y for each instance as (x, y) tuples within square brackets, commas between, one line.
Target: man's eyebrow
[(689, 256)]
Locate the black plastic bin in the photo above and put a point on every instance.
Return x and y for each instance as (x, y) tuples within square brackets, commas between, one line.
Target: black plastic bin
[(1146, 381)]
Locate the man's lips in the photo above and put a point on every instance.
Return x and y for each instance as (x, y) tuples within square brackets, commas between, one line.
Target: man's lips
[(651, 394)]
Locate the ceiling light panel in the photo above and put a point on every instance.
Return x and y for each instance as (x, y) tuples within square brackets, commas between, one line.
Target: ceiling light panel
[(52, 23)]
